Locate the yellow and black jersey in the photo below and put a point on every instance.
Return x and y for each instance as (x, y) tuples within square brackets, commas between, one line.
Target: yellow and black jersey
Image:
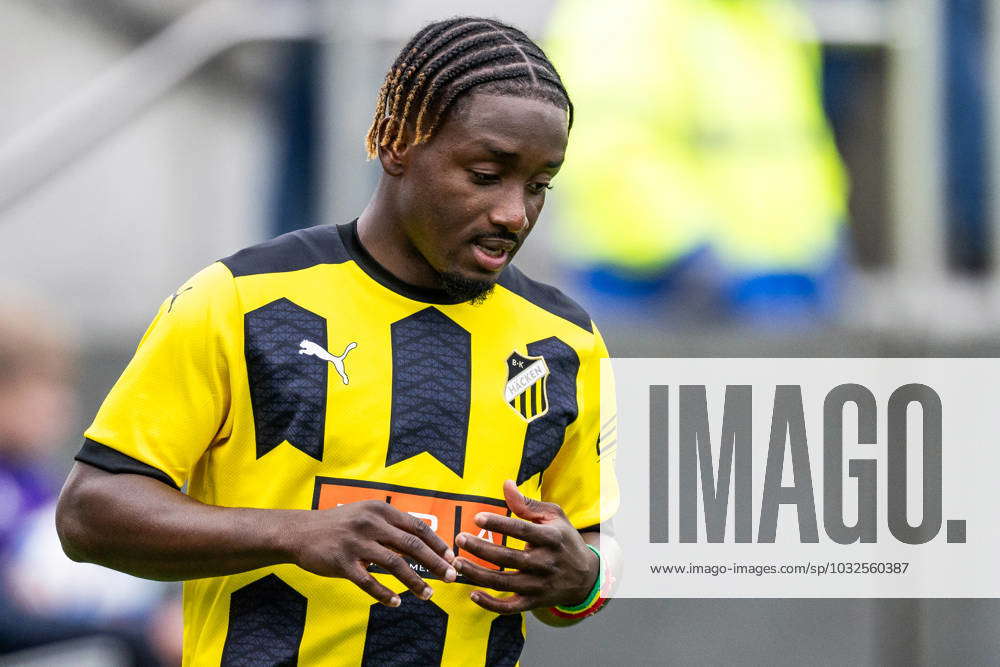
[(301, 374)]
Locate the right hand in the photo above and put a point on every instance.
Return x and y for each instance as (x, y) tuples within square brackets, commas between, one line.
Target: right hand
[(343, 541)]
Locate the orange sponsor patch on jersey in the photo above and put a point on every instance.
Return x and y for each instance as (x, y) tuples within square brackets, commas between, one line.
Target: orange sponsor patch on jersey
[(448, 514)]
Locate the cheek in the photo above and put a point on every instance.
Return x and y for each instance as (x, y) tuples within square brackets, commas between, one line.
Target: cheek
[(447, 205), (436, 192), (534, 207)]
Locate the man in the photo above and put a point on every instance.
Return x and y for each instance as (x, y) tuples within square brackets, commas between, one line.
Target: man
[(391, 374)]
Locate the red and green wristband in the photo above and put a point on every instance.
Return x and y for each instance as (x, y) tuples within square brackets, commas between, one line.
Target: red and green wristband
[(595, 600)]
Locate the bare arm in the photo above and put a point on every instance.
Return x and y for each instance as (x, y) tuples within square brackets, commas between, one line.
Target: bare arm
[(141, 526)]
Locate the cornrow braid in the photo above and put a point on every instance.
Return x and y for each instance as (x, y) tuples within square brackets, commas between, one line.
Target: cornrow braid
[(395, 72), (404, 69), (495, 57), (461, 42), (449, 59), (455, 56), (419, 49), (471, 80)]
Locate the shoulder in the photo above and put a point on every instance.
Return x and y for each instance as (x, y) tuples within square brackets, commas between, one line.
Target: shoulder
[(546, 297), (294, 251)]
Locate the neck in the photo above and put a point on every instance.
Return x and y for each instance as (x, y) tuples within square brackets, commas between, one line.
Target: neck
[(382, 233)]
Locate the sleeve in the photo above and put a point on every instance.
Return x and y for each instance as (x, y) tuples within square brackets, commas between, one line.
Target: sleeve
[(173, 400), (581, 478)]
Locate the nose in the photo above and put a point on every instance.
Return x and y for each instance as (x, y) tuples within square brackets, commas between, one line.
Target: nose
[(510, 212)]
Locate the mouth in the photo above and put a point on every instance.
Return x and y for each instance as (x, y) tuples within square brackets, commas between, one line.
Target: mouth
[(492, 253)]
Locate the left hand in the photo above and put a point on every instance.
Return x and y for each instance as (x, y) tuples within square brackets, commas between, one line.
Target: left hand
[(555, 568)]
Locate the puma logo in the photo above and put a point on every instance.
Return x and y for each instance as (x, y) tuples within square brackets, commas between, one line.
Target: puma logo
[(173, 297), (311, 348)]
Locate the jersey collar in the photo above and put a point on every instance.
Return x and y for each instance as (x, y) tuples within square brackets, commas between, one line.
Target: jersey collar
[(381, 275)]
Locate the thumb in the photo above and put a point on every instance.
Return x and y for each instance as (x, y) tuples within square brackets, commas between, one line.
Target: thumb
[(522, 506)]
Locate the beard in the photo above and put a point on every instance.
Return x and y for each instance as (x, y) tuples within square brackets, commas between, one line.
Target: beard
[(462, 288)]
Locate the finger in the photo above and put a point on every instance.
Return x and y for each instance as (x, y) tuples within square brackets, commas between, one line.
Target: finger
[(369, 584), (513, 604), (532, 533), (397, 566), (496, 554), (525, 507), (513, 582), (413, 546), (411, 524)]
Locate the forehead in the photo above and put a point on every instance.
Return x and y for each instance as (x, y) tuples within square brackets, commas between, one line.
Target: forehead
[(509, 123)]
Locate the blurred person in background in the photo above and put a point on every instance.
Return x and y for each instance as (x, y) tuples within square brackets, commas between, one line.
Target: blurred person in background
[(36, 410), (45, 597), (704, 173)]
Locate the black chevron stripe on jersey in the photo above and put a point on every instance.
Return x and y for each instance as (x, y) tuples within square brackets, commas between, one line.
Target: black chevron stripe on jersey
[(410, 635), (545, 435), (287, 389), (431, 389), (266, 621)]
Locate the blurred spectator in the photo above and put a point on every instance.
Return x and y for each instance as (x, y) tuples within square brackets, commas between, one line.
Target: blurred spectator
[(46, 599), (702, 164), (36, 409)]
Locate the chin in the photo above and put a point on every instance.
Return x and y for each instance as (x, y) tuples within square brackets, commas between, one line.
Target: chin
[(463, 287)]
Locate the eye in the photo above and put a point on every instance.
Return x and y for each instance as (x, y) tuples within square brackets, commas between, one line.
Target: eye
[(484, 177), (538, 188)]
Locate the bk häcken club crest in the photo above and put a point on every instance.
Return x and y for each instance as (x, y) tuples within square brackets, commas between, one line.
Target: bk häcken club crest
[(526, 381)]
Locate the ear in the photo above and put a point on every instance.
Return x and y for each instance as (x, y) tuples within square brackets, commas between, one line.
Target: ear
[(394, 160)]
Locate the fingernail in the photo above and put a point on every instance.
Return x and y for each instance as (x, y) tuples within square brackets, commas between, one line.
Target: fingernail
[(481, 517), (395, 601), (475, 597), (451, 575), (449, 555), (428, 592), (458, 564), (461, 539)]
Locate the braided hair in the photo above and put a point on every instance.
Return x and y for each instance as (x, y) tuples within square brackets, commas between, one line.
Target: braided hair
[(447, 60)]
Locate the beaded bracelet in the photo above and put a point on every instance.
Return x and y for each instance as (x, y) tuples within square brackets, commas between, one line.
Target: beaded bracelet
[(594, 602)]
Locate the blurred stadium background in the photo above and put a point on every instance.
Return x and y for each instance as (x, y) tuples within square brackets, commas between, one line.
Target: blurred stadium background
[(141, 140)]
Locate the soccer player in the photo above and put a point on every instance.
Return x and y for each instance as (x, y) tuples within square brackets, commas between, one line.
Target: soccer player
[(390, 437)]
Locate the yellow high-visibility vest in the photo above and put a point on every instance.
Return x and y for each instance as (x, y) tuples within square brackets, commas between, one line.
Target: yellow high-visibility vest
[(697, 121)]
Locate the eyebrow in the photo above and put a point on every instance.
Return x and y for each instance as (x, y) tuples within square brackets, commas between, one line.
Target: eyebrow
[(508, 156)]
